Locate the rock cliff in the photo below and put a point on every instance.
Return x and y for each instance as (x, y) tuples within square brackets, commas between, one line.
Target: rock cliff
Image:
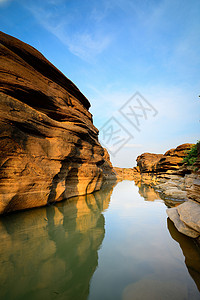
[(49, 146), (172, 159), (147, 162), (174, 180)]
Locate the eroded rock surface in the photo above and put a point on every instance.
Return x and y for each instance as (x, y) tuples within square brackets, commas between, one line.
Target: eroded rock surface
[(173, 159), (147, 162), (48, 143), (189, 213), (180, 225), (174, 180)]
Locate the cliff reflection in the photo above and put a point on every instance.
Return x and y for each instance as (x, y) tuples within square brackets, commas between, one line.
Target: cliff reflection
[(51, 253), (190, 251), (150, 194)]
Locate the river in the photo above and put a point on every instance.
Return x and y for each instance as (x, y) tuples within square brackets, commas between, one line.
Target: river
[(114, 244)]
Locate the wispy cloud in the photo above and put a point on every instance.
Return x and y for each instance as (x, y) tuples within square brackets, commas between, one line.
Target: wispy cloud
[(86, 42), (86, 45)]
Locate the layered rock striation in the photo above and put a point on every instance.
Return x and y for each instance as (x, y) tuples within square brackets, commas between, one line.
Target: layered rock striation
[(48, 143), (167, 172), (174, 180)]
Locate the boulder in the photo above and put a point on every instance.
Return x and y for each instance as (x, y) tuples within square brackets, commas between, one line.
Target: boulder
[(147, 162), (181, 226), (49, 146), (193, 192), (190, 214)]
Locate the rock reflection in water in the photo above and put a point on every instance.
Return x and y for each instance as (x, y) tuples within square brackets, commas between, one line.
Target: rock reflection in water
[(190, 250), (151, 194), (51, 253)]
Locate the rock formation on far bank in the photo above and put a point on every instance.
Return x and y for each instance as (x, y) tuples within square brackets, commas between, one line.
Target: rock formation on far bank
[(49, 146), (126, 173), (147, 162), (169, 175)]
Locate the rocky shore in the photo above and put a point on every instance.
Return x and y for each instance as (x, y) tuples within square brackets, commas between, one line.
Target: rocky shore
[(49, 146), (168, 175)]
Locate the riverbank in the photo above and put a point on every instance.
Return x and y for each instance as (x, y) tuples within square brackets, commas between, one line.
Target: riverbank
[(173, 179)]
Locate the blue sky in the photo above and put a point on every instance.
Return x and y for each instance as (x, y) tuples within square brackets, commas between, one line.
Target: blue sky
[(111, 49)]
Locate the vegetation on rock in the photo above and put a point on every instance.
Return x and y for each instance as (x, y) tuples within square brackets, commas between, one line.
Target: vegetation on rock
[(191, 156)]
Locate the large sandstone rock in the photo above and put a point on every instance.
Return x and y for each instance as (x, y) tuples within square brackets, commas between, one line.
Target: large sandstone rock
[(173, 159), (193, 192), (190, 214), (147, 161), (175, 180), (180, 225), (159, 163), (49, 146)]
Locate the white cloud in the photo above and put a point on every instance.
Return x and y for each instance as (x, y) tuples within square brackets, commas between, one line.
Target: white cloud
[(86, 44)]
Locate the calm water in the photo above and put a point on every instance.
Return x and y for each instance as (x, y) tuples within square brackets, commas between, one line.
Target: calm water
[(114, 244)]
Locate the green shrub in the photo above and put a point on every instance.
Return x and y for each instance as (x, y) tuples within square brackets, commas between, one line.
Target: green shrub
[(191, 156)]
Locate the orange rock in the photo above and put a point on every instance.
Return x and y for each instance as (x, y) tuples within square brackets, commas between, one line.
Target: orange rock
[(147, 162), (173, 158), (48, 143)]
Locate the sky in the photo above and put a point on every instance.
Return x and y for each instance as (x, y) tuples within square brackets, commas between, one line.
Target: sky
[(136, 61)]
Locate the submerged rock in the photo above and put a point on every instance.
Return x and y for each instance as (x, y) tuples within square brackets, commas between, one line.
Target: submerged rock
[(49, 146)]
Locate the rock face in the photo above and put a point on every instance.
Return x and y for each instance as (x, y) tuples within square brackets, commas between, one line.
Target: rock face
[(174, 180), (147, 162), (173, 159), (180, 225), (48, 143), (159, 163), (166, 171)]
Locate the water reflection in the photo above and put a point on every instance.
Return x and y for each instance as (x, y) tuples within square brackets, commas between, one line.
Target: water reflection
[(151, 194), (51, 253), (190, 251)]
